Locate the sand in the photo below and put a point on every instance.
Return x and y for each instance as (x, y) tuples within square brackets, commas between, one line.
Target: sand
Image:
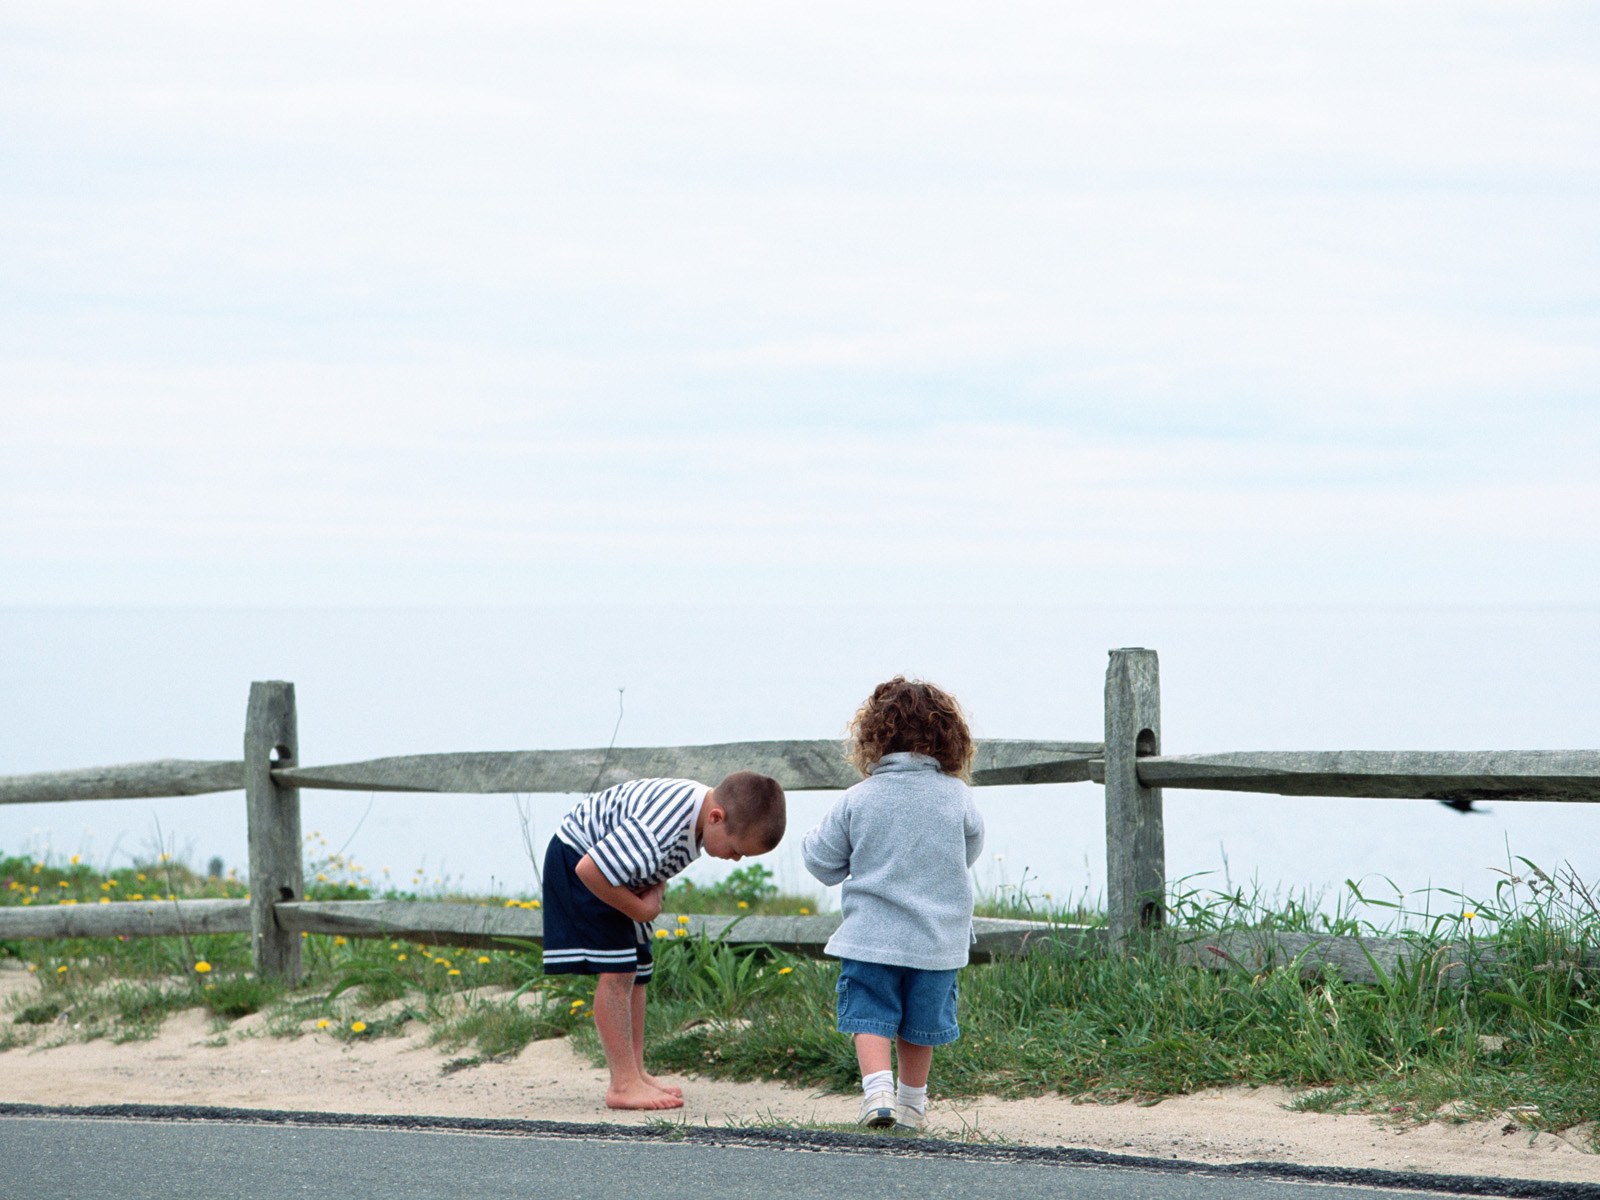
[(548, 1081)]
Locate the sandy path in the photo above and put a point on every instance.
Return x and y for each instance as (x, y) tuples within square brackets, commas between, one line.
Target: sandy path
[(547, 1081)]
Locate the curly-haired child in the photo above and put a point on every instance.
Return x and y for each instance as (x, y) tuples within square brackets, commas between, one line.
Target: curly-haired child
[(901, 841)]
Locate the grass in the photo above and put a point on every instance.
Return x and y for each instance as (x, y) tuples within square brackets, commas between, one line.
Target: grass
[(1514, 1031)]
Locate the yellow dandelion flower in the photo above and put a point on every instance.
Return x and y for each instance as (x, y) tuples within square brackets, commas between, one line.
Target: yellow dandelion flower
[(62, 969), (1470, 915), (453, 971), (324, 1023), (744, 904), (339, 941), (680, 931), (322, 879), (482, 958), (661, 933), (137, 896), (358, 1026), (575, 1006), (33, 966), (513, 904), (304, 934), (105, 899), (683, 920), (534, 904), (400, 958), (140, 877), (110, 883), (62, 883), (394, 945), (805, 912), (784, 970), (73, 860), (202, 967)]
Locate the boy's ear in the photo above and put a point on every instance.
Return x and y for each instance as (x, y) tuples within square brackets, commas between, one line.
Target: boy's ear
[(716, 814)]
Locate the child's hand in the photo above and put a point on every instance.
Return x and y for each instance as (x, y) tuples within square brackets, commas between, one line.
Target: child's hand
[(652, 898)]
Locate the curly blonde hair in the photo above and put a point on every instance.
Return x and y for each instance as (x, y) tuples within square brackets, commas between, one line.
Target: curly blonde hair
[(910, 714)]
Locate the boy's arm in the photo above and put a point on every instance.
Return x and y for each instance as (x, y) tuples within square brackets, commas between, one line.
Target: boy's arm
[(974, 831), (630, 904), (826, 849)]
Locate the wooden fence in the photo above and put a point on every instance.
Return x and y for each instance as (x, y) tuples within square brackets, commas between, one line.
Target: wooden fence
[(1128, 762)]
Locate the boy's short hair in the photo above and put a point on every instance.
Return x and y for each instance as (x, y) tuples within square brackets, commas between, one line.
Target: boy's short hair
[(911, 715), (755, 807)]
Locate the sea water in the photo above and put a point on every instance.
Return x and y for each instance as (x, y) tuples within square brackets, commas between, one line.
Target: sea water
[(86, 687)]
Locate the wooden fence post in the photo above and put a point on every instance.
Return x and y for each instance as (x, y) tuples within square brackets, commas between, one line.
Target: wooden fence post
[(271, 739), (1136, 855)]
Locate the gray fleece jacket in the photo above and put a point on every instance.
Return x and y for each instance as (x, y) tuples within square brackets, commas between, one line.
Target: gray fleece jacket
[(901, 842)]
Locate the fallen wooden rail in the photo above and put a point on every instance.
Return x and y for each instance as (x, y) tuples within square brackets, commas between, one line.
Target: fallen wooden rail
[(436, 923), (125, 918), (444, 924)]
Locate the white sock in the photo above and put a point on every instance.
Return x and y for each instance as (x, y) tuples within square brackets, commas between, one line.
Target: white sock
[(913, 1097), (878, 1081)]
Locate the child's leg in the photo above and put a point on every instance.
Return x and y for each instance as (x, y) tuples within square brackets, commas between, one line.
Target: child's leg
[(638, 1044), (915, 1063), (613, 1020), (872, 1052)]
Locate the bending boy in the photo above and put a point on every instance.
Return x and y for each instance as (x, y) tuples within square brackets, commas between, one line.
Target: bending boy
[(604, 876)]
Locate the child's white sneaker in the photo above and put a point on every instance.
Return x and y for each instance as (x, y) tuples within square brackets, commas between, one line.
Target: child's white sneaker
[(877, 1110), (910, 1118)]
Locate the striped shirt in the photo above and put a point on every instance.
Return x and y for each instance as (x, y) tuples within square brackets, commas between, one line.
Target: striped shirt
[(638, 833)]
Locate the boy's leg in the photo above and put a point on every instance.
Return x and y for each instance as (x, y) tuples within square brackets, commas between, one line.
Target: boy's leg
[(613, 1020), (639, 991)]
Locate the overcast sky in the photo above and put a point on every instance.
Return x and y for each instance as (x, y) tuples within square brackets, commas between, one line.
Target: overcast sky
[(306, 303)]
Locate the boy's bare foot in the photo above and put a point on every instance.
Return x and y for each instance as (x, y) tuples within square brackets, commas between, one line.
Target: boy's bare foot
[(641, 1095), (660, 1085)]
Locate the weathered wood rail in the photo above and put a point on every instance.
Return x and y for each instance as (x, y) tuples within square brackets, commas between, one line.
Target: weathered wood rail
[(433, 923), (1128, 762), (127, 781), (798, 766), (1549, 775)]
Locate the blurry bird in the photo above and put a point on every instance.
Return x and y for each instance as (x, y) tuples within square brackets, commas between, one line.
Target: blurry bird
[(1462, 805)]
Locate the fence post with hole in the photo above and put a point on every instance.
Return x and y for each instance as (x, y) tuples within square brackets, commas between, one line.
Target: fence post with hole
[(271, 739), (1136, 856)]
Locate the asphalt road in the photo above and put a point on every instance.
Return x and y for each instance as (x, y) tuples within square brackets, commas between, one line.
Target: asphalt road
[(46, 1157)]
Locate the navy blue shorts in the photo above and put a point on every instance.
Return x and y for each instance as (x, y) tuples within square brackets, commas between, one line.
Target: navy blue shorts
[(583, 935), (904, 1002)]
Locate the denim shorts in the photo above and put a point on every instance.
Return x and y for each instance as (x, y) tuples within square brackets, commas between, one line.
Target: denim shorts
[(903, 1002)]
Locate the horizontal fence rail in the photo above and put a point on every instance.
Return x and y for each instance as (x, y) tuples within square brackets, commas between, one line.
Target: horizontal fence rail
[(127, 781), (484, 927), (125, 918), (1550, 775), (470, 925), (796, 765)]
